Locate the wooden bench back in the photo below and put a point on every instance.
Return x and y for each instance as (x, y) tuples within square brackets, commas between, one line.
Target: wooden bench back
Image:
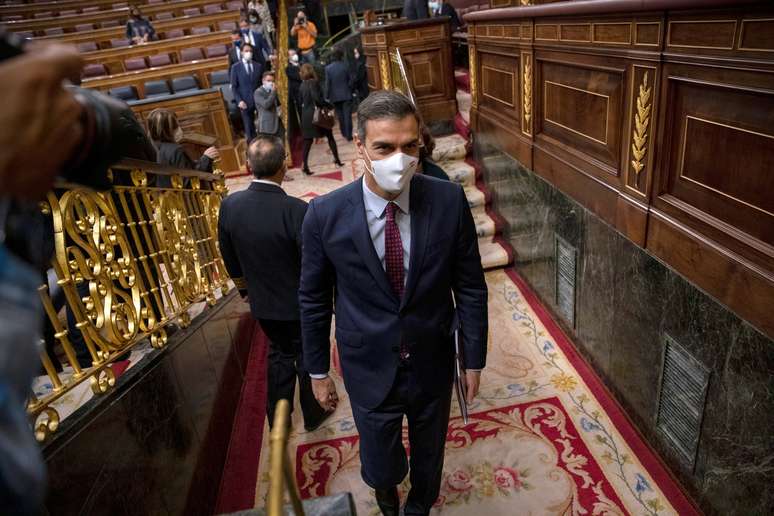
[(114, 58), (68, 23), (103, 36), (199, 69), (28, 10)]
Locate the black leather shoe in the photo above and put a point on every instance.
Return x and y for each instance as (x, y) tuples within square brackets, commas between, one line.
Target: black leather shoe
[(388, 501), (339, 164), (307, 172), (314, 426)]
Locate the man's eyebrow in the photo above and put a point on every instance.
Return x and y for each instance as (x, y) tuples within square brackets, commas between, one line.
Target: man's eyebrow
[(390, 144)]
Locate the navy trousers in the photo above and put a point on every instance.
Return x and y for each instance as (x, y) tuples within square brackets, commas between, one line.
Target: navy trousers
[(344, 114), (248, 120), (382, 455)]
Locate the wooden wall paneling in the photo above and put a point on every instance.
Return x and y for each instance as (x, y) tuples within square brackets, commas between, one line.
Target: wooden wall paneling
[(579, 109), (717, 154)]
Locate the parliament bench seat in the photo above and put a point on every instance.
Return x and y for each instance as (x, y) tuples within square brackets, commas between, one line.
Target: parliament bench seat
[(69, 20), (200, 69), (158, 53), (23, 10), (224, 21)]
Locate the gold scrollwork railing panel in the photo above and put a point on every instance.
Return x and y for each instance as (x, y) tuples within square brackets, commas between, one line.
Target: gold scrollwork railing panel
[(128, 262)]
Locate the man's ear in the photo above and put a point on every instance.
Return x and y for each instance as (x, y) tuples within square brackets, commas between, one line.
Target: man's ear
[(359, 144)]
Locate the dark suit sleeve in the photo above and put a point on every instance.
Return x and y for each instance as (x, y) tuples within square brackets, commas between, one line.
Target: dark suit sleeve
[(327, 82), (181, 160), (315, 296), (230, 260), (470, 291)]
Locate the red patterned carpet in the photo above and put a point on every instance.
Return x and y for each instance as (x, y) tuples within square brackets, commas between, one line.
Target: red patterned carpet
[(545, 437)]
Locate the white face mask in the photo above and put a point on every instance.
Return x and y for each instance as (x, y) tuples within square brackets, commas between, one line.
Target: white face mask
[(393, 174), (268, 85), (294, 59), (247, 56), (433, 6)]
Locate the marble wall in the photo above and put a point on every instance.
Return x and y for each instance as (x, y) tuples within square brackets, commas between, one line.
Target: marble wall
[(627, 301), (157, 443)]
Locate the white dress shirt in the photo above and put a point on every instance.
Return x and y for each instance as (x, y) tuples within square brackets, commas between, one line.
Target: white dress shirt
[(376, 218), (268, 182)]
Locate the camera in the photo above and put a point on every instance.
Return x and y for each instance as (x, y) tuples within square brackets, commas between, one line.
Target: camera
[(105, 136)]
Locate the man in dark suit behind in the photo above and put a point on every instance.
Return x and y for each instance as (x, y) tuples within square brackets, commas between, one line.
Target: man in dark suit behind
[(338, 86), (245, 79), (399, 250), (415, 9), (259, 230)]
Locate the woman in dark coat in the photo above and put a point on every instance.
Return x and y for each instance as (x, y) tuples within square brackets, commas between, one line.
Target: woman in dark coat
[(138, 29), (165, 132), (359, 74), (311, 97)]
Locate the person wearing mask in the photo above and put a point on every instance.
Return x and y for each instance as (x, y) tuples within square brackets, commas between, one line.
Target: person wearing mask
[(261, 49), (305, 32), (235, 52), (444, 8), (245, 78), (138, 29), (262, 13), (267, 120), (166, 133), (337, 85), (294, 84), (264, 259), (415, 9), (311, 97), (395, 254), (359, 74), (426, 164)]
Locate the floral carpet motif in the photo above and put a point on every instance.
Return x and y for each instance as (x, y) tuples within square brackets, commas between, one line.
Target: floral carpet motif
[(544, 436)]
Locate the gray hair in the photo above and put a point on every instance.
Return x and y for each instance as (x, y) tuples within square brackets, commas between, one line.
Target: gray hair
[(384, 104), (266, 156)]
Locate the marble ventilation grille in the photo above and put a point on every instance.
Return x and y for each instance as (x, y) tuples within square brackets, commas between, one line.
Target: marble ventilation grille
[(566, 260), (682, 393)]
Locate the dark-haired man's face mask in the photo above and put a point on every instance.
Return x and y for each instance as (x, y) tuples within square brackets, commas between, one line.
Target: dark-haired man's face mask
[(253, 19)]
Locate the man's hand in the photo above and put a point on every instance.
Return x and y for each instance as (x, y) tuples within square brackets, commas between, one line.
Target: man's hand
[(472, 379), (242, 104), (37, 113), (325, 393)]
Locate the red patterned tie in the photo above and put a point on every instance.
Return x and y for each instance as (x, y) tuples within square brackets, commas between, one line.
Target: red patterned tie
[(393, 260)]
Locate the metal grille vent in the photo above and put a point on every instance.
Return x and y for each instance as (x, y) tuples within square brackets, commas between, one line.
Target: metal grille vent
[(566, 260), (682, 393)]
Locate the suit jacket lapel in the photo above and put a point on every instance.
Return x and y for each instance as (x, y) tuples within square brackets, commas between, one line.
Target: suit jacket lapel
[(420, 207), (361, 236)]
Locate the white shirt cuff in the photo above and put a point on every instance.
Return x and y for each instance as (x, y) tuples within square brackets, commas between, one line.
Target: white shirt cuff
[(318, 376)]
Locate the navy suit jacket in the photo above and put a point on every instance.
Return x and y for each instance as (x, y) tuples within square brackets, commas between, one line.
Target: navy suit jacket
[(244, 85), (337, 80), (445, 267)]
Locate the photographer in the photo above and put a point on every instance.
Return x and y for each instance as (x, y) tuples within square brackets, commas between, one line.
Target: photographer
[(305, 33), (48, 129), (36, 109)]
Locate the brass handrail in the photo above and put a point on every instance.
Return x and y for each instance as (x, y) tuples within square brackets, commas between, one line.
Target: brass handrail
[(280, 471), (129, 261)]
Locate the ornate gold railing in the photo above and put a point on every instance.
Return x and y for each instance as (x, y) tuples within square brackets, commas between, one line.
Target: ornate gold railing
[(281, 472), (129, 261)]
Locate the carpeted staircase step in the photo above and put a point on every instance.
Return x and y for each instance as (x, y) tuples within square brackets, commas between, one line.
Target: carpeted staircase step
[(449, 148), (459, 172), (493, 255)]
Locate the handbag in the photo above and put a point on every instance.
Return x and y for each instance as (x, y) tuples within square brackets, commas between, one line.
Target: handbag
[(323, 117)]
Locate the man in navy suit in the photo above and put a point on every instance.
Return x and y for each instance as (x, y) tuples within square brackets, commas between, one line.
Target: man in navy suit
[(245, 79), (399, 250), (261, 48), (339, 90)]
